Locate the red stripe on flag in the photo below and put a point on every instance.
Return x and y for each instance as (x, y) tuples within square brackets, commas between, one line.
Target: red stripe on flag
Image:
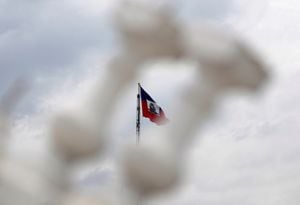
[(159, 119)]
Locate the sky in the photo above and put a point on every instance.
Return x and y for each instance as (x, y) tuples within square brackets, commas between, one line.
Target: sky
[(247, 154)]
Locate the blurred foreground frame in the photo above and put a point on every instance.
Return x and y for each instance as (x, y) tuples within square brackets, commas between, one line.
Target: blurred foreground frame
[(224, 63)]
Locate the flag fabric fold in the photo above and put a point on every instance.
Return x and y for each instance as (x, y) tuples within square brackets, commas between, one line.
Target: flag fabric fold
[(151, 109)]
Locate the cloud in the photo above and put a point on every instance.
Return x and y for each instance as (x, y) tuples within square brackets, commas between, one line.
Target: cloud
[(98, 177), (46, 37), (249, 153), (214, 10)]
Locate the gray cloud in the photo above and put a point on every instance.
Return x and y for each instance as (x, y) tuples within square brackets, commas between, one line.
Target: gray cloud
[(45, 41), (214, 10), (97, 177), (252, 162), (44, 36)]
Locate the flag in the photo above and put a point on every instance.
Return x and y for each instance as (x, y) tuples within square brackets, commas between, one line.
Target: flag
[(151, 109)]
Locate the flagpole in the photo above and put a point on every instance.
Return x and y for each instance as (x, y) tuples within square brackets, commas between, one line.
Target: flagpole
[(138, 115), (138, 124)]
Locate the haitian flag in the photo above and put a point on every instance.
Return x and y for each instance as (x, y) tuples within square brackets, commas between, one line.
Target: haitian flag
[(151, 109)]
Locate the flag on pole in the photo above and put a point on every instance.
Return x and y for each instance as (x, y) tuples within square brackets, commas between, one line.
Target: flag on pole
[(151, 109)]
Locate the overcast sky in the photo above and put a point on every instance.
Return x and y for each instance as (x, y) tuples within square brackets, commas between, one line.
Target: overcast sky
[(249, 154)]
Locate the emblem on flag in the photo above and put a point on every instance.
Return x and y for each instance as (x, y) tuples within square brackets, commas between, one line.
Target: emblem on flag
[(151, 109)]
